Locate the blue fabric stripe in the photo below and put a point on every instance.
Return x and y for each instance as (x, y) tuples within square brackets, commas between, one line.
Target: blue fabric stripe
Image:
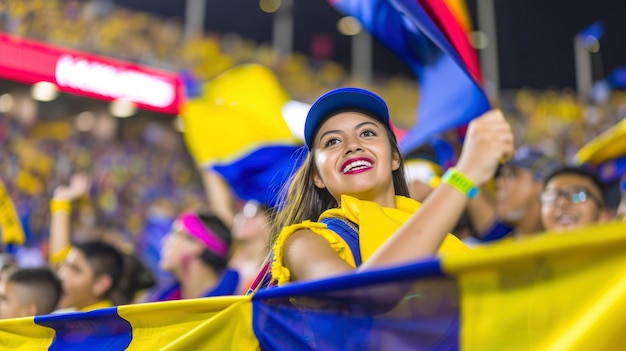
[(497, 231), (98, 330), (347, 234), (422, 269), (227, 284), (413, 307), (612, 170)]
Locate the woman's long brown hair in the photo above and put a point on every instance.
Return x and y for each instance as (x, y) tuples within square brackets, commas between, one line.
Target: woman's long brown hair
[(304, 201)]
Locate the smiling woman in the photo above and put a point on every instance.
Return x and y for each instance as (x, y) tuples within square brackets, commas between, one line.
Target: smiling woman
[(347, 206)]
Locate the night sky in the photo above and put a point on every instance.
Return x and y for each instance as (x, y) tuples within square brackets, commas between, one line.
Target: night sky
[(535, 37)]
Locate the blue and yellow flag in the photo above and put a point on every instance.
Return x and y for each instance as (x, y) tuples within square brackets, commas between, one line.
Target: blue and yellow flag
[(236, 128), (607, 152), (430, 36), (555, 291), (222, 323)]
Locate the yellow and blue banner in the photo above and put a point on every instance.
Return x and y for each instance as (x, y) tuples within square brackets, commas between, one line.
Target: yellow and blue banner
[(221, 323), (431, 37), (236, 127), (607, 152), (554, 291)]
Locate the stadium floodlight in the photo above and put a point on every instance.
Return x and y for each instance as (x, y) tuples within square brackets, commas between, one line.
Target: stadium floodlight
[(85, 121), (6, 102), (44, 91), (122, 108)]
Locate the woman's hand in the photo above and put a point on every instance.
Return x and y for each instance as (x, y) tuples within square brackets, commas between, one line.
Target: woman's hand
[(488, 142)]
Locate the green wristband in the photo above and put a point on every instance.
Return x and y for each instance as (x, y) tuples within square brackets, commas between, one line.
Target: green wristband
[(460, 182)]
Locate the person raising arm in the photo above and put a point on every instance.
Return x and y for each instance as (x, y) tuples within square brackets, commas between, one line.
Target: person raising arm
[(353, 172), (89, 271)]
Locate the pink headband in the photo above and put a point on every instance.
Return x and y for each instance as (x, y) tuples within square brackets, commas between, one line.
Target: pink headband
[(193, 224)]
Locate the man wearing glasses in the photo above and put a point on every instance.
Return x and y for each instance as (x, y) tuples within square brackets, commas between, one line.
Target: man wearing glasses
[(573, 196)]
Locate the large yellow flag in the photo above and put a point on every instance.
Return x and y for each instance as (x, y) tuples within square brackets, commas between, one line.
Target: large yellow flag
[(558, 291)]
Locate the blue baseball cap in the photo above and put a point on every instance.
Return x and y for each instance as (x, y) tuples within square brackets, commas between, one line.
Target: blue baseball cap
[(343, 99)]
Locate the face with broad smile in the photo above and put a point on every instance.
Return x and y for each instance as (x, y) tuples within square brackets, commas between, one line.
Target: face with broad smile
[(353, 156), (571, 201)]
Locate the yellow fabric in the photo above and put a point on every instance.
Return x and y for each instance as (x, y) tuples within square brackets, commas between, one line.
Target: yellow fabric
[(460, 12), (239, 111), (12, 231), (607, 146), (22, 334), (558, 291), (98, 305), (376, 225), (216, 323), (281, 273)]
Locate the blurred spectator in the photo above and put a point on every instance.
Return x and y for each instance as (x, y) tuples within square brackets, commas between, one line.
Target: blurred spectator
[(517, 208), (573, 197), (251, 240), (88, 274), (89, 270), (29, 292), (134, 281), (159, 218), (8, 265), (196, 252), (423, 171)]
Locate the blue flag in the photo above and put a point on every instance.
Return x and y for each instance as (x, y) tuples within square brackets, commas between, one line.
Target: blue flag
[(428, 37)]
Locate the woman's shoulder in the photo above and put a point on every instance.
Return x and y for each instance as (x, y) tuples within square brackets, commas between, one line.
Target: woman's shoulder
[(307, 232)]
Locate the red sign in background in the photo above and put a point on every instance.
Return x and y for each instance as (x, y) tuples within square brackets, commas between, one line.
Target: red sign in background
[(89, 75)]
